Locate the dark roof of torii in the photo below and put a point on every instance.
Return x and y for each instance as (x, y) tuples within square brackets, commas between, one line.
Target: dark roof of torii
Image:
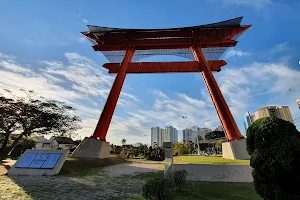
[(214, 39)]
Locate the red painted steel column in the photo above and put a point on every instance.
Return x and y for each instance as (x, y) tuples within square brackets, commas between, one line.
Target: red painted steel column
[(112, 99), (227, 120)]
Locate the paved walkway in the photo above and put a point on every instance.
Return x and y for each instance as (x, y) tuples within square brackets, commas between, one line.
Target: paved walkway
[(97, 184)]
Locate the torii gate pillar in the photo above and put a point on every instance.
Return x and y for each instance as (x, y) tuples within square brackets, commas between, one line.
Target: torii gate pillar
[(96, 146), (235, 148), (226, 118)]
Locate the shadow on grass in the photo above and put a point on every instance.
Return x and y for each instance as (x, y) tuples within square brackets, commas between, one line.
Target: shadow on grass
[(81, 166)]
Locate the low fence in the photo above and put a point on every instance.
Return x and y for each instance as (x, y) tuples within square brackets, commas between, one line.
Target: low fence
[(216, 173)]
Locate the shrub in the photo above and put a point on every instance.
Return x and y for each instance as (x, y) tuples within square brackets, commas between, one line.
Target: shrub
[(178, 177), (274, 146), (159, 189), (156, 154)]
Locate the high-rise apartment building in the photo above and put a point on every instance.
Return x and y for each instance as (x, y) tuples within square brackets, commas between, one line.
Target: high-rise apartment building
[(187, 135), (190, 134), (156, 136), (281, 112), (248, 120), (160, 135), (171, 134)]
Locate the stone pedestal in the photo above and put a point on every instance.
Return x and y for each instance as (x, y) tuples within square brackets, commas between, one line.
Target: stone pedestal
[(168, 157), (235, 150), (92, 148)]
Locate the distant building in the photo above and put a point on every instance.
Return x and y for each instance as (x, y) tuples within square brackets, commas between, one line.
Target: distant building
[(219, 128), (187, 135), (298, 102), (249, 119), (281, 112), (156, 136), (171, 134), (190, 134), (203, 131), (163, 139), (160, 135)]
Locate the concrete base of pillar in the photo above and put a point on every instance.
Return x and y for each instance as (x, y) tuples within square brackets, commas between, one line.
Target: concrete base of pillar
[(92, 148), (235, 150)]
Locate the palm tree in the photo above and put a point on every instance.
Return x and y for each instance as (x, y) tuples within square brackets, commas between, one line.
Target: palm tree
[(123, 142)]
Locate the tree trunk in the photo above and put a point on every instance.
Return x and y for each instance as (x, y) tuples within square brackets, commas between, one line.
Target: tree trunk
[(5, 151), (5, 141)]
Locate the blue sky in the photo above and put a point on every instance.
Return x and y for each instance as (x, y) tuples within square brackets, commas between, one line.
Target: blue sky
[(41, 49)]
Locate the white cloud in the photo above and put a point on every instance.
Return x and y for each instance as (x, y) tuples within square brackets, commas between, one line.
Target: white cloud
[(235, 52), (87, 77), (83, 76), (13, 67), (160, 93), (258, 4), (81, 40), (280, 47), (241, 87), (85, 20)]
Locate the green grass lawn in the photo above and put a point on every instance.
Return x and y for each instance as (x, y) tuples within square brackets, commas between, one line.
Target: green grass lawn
[(219, 191), (214, 160), (208, 190)]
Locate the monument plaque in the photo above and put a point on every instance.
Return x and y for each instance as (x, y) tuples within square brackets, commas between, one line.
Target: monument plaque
[(39, 162)]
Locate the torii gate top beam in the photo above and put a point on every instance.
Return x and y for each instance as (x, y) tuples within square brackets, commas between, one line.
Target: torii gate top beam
[(214, 39)]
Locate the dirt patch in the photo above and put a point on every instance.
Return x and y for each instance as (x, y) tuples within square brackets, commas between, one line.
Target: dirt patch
[(133, 168)]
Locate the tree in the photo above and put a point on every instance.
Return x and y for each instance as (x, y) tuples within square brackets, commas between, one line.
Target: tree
[(123, 141), (219, 145), (181, 148), (26, 143), (27, 116), (214, 135), (274, 146), (191, 147)]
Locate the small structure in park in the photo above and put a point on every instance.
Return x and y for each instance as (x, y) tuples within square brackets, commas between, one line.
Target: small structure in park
[(204, 45), (55, 142), (43, 143), (63, 142)]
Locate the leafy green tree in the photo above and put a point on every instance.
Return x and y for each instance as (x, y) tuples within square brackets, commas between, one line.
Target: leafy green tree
[(219, 145), (181, 148), (214, 135), (274, 146), (27, 116)]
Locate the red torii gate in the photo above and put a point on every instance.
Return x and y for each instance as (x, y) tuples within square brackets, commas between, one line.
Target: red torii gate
[(205, 44)]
